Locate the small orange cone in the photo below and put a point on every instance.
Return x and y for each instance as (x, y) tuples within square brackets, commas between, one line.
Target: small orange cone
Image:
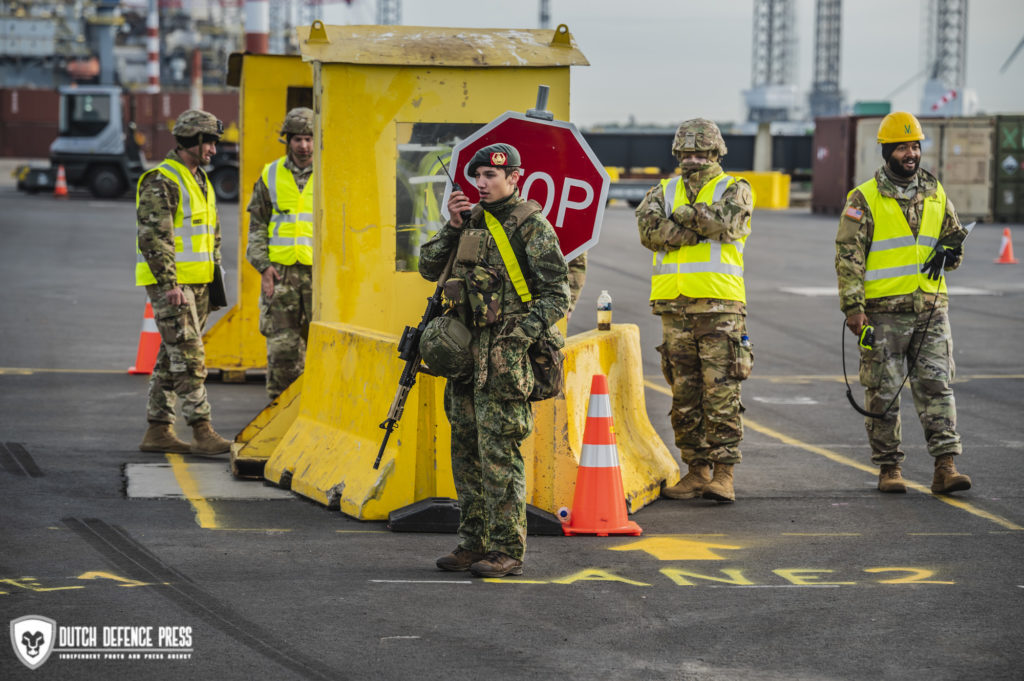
[(61, 188), (599, 504), (1006, 250), (149, 344)]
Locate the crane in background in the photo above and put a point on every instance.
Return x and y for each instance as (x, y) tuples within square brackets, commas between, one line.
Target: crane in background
[(826, 98)]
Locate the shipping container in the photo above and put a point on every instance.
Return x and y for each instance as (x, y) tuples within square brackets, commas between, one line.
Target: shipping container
[(832, 163), (1008, 169)]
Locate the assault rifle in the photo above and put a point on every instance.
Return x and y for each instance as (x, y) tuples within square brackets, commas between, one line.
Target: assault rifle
[(409, 351), (409, 344)]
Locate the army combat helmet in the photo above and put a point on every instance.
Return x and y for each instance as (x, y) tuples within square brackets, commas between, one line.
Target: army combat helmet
[(698, 134), (444, 346), (298, 121), (194, 127)]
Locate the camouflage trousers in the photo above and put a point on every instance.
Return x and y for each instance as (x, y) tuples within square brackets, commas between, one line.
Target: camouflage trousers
[(284, 320), (897, 338), (180, 369), (490, 477), (704, 363)]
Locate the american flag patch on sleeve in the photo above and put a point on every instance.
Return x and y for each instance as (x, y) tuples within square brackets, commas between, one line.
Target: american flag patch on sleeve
[(854, 213)]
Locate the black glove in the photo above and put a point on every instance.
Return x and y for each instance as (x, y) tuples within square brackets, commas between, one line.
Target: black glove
[(937, 261)]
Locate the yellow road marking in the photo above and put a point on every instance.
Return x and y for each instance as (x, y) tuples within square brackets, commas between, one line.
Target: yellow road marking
[(821, 534), (205, 516), (674, 548), (847, 461)]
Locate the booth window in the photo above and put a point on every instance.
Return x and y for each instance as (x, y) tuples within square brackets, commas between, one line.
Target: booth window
[(420, 184)]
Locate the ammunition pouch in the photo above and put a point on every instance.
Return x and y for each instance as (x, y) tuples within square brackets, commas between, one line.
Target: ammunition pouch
[(547, 360)]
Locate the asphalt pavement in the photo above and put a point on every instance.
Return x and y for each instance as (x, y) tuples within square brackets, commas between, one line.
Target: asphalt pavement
[(811, 574)]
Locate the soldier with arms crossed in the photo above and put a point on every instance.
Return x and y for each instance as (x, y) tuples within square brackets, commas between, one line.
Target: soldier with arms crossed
[(697, 224)]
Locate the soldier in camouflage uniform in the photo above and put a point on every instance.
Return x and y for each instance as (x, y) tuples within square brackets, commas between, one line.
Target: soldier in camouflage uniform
[(577, 278), (178, 248), (697, 225), (487, 406), (281, 249), (886, 234)]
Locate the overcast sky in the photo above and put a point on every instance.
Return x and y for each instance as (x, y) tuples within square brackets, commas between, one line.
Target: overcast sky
[(663, 61)]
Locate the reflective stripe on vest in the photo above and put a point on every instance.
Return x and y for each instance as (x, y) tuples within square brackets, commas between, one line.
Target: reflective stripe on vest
[(895, 257), (508, 256), (290, 230), (709, 269), (194, 222)]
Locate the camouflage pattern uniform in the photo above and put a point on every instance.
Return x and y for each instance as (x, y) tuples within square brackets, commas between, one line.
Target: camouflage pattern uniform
[(489, 413), (180, 368), (284, 319), (898, 322), (701, 336), (577, 278)]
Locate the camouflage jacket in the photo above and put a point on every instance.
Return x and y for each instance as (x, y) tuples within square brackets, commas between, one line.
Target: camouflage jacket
[(545, 271), (260, 212), (725, 220), (577, 278), (157, 201), (853, 242)]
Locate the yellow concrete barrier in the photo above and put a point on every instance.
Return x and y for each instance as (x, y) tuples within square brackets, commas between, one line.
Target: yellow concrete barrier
[(771, 189), (327, 454), (258, 440)]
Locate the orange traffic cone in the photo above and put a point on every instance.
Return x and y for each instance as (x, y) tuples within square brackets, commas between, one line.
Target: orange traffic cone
[(1006, 250), (149, 344), (61, 188), (599, 504)]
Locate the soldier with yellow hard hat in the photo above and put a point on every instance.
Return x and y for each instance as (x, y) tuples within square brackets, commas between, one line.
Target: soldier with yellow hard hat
[(281, 249), (178, 248), (889, 259), (697, 224)]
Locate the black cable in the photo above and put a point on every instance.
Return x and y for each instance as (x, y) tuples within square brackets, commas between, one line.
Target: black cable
[(910, 367)]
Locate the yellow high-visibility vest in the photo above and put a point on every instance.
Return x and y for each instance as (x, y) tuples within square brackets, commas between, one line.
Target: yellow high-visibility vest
[(508, 256), (895, 257), (291, 225), (709, 269), (194, 222)]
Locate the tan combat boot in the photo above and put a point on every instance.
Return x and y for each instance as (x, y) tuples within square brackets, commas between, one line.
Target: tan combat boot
[(206, 441), (890, 479), (160, 437), (720, 488), (497, 564), (693, 483), (946, 478), (459, 560)]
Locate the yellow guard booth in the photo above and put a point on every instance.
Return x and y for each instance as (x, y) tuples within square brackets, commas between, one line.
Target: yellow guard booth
[(389, 100), (270, 85)]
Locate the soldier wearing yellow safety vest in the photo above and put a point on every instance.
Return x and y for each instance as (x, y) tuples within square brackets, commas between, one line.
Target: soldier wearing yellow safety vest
[(697, 224), (281, 248), (887, 231), (178, 249)]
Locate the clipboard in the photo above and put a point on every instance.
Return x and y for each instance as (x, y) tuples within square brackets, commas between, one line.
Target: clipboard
[(218, 294)]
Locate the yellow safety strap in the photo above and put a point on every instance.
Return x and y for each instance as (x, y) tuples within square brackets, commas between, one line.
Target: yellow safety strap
[(508, 256)]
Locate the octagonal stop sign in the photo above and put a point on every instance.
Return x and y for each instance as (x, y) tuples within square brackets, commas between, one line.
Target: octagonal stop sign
[(559, 171)]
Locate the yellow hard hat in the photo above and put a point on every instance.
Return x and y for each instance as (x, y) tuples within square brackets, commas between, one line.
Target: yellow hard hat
[(900, 126)]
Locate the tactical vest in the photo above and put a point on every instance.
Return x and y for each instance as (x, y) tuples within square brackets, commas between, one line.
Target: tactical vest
[(709, 269), (480, 272), (194, 222), (291, 224), (895, 257)]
